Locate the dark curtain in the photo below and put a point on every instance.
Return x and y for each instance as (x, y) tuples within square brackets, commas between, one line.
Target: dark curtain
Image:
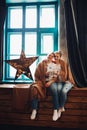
[(2, 20), (76, 33)]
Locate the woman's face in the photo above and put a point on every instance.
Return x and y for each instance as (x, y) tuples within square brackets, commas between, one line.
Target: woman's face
[(57, 56), (51, 56)]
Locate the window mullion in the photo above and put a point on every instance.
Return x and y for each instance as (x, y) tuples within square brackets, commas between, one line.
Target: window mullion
[(23, 30), (38, 30)]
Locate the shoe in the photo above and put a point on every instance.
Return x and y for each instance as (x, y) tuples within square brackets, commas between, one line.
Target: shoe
[(55, 115), (33, 115), (59, 113), (62, 109)]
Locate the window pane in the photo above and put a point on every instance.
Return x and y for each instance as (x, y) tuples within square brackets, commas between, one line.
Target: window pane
[(47, 16), (11, 70), (30, 43), (47, 41), (15, 46), (31, 17), (15, 18)]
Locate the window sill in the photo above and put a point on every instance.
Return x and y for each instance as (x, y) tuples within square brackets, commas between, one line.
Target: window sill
[(14, 85)]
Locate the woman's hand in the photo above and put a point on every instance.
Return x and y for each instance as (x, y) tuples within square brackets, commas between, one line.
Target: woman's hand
[(50, 82)]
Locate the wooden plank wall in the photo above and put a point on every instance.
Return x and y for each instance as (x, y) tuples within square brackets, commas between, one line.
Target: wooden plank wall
[(75, 115)]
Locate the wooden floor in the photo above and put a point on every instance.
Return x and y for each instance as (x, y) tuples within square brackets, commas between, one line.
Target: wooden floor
[(17, 127), (75, 115)]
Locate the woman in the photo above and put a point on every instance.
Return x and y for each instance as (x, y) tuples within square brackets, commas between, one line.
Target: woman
[(60, 87), (42, 73), (52, 73)]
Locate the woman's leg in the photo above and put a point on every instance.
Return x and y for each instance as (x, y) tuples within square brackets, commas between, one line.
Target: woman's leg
[(34, 105), (59, 89), (54, 94), (55, 100), (63, 95), (34, 102)]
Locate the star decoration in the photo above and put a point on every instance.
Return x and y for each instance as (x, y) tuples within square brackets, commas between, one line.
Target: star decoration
[(22, 65)]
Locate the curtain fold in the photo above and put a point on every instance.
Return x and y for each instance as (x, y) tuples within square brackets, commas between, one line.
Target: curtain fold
[(76, 32), (2, 20)]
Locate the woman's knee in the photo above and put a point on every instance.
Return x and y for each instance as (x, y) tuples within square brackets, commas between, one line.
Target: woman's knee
[(66, 88), (53, 87), (59, 87)]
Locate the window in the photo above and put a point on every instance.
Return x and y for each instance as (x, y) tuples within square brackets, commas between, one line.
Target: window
[(33, 28)]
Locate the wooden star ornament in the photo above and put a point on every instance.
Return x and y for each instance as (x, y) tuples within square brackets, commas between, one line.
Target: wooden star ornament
[(22, 65)]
